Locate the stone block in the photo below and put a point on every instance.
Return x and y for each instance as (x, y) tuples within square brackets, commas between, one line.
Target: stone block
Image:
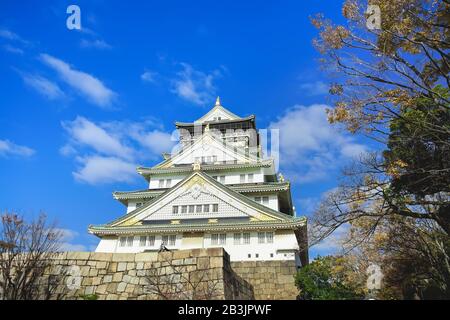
[(121, 287), (112, 267), (86, 281), (188, 261), (164, 256), (121, 266), (78, 255), (122, 257), (139, 266), (203, 263), (101, 256), (181, 254), (84, 271), (216, 262), (117, 277), (107, 279), (146, 256), (89, 290), (215, 252), (126, 278), (96, 281), (131, 266), (101, 289), (111, 288)]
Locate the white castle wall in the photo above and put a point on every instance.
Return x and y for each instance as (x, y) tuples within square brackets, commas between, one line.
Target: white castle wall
[(282, 248)]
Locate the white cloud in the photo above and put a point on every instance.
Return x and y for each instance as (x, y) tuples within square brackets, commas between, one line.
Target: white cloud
[(85, 84), (7, 148), (12, 49), (316, 88), (149, 76), (42, 85), (67, 237), (85, 132), (95, 44), (309, 146), (98, 169), (109, 151), (9, 35), (195, 86)]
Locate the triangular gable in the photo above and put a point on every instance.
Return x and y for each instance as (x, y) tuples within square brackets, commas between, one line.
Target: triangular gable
[(218, 113), (195, 186), (206, 145)]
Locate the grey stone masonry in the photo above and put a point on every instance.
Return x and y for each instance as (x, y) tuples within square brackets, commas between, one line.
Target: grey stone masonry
[(195, 273)]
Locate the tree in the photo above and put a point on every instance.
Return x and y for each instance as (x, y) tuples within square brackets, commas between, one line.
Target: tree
[(330, 278), (392, 86), (26, 249), (414, 256)]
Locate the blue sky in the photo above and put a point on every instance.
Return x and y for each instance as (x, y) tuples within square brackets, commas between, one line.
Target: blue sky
[(80, 109)]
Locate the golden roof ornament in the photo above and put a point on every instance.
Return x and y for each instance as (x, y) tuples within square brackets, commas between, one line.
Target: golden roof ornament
[(218, 102), (207, 128), (196, 166), (281, 177)]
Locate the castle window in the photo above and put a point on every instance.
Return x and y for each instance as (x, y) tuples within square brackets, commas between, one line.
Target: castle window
[(223, 238), (206, 208), (261, 237), (222, 179), (215, 177), (215, 207), (242, 178), (258, 199), (161, 183), (139, 204), (168, 183), (269, 237), (257, 255), (237, 238), (265, 200), (122, 242), (214, 239), (169, 240), (183, 209), (198, 208), (130, 241), (150, 241), (250, 177), (249, 255), (142, 241), (271, 255), (175, 209), (246, 237), (214, 158), (172, 239), (191, 208)]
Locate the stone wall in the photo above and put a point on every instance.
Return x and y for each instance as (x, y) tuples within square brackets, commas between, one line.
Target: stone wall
[(88, 275), (272, 280)]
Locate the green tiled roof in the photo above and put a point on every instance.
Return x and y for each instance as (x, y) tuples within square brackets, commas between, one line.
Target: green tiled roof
[(206, 167), (199, 227), (241, 188)]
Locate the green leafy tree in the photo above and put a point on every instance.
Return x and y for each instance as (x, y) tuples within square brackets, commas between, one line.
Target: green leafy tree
[(327, 278)]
